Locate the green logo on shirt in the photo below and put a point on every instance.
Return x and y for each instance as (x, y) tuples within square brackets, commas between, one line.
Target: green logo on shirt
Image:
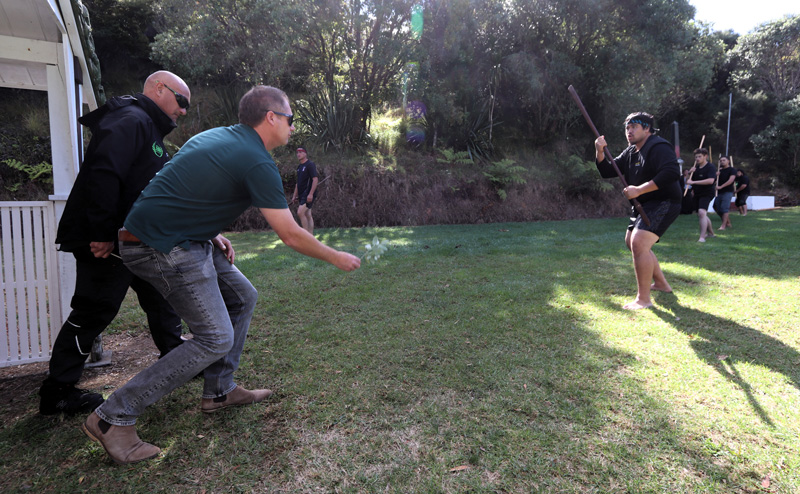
[(158, 150)]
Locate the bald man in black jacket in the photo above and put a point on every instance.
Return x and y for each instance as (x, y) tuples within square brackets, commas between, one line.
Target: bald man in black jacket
[(125, 152)]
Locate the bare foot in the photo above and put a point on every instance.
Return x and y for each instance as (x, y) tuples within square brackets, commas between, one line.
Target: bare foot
[(636, 305), (661, 288), (702, 239), (721, 228)]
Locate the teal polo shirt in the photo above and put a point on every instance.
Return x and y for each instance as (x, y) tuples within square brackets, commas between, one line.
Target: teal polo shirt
[(212, 180)]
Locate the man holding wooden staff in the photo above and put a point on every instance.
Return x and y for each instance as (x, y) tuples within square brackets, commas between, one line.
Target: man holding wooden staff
[(703, 176), (652, 172), (722, 204)]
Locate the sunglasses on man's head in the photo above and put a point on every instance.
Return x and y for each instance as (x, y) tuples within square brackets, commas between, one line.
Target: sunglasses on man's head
[(287, 115), (183, 102)]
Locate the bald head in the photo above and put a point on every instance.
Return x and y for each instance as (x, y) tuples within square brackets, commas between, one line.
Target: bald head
[(161, 87)]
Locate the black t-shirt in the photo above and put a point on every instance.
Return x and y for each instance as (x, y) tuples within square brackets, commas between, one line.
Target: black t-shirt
[(305, 175), (656, 161), (743, 180), (707, 171), (725, 175)]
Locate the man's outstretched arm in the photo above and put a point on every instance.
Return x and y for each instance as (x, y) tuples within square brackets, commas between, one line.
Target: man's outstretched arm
[(291, 234)]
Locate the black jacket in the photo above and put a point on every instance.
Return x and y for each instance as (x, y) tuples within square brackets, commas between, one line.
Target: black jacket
[(656, 161), (126, 151)]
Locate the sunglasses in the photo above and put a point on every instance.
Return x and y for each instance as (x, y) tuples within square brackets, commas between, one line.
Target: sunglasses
[(287, 115), (181, 99)]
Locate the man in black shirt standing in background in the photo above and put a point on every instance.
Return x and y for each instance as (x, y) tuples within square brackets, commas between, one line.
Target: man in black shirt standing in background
[(307, 180), (703, 174)]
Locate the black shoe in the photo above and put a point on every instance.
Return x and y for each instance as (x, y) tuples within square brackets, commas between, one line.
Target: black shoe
[(67, 399)]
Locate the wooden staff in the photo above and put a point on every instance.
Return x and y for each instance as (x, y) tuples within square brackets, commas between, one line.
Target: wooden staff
[(693, 167), (716, 182), (607, 153)]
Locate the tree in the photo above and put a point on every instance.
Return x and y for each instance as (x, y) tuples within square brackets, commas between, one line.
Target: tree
[(227, 41), (781, 141), (770, 59), (457, 71), (121, 33), (361, 45)]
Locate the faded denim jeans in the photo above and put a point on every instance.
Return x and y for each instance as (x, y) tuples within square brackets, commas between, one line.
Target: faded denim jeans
[(216, 301)]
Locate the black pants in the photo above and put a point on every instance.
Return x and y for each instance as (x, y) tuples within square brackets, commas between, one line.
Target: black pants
[(100, 288)]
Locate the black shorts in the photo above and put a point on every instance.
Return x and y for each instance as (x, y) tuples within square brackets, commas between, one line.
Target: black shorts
[(702, 202), (741, 199), (309, 204), (661, 215)]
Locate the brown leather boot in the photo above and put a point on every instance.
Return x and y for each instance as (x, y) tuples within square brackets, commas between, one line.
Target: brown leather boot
[(120, 442), (239, 396)]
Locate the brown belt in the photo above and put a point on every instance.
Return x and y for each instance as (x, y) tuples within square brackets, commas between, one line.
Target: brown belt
[(126, 236)]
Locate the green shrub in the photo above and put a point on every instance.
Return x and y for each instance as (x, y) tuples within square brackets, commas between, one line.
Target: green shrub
[(40, 174), (327, 118), (455, 157), (576, 176), (503, 173)]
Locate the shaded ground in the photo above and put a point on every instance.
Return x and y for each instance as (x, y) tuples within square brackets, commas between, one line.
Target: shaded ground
[(19, 384)]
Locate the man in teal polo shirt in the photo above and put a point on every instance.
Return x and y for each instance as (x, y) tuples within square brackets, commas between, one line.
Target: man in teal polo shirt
[(171, 239)]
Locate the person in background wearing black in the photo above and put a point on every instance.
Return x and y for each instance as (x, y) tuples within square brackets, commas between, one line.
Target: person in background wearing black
[(703, 174), (307, 180), (722, 203), (652, 172), (687, 204), (125, 152), (742, 191)]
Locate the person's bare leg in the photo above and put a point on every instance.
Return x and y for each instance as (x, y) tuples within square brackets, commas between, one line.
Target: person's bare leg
[(644, 262), (710, 227), (659, 280), (706, 229), (726, 221), (310, 222), (302, 213)]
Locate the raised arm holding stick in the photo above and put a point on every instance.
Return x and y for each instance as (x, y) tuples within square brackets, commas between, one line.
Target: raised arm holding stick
[(608, 155), (650, 172)]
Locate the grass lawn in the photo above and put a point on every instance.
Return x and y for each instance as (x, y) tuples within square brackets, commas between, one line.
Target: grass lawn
[(482, 358)]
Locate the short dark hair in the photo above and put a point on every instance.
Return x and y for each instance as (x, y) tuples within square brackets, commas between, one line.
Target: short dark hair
[(255, 104), (700, 151), (644, 119)]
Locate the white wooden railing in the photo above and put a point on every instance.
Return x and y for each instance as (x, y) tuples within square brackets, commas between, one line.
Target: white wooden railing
[(29, 288)]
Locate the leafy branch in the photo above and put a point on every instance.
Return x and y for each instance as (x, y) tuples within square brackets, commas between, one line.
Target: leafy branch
[(374, 250)]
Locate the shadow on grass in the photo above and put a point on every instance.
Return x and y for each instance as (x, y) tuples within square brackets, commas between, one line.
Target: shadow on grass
[(723, 344), (767, 236)]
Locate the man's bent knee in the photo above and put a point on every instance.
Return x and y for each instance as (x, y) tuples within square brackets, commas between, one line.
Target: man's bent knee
[(642, 241)]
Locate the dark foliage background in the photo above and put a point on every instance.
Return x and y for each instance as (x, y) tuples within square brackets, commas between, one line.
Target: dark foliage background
[(384, 89)]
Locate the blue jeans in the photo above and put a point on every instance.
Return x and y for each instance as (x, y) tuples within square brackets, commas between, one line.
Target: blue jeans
[(216, 301)]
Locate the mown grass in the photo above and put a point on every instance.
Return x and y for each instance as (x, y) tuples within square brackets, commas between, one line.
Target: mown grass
[(483, 358)]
